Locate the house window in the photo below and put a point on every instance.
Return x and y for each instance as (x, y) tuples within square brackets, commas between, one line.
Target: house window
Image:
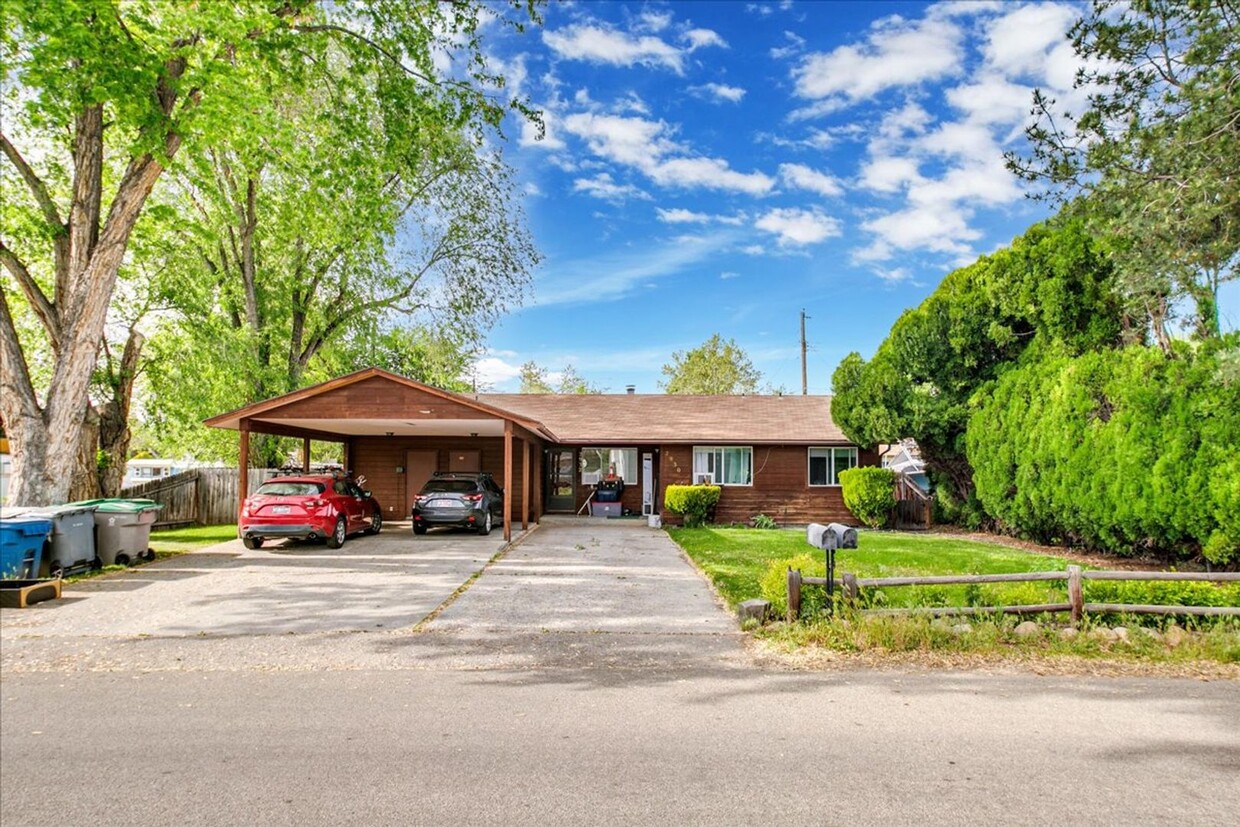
[(723, 465), (825, 464), (599, 463)]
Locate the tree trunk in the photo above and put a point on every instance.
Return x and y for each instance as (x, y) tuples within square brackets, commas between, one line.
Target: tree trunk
[(85, 484), (114, 432)]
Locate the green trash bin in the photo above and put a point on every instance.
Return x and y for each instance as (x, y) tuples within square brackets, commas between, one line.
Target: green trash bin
[(73, 539), (122, 529)]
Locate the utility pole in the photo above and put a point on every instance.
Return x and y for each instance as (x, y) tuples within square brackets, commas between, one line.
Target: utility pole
[(804, 372)]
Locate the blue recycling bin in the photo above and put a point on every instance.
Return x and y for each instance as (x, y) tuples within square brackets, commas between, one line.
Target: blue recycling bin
[(21, 546)]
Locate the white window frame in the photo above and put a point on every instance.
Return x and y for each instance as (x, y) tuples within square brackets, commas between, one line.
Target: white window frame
[(719, 472), (593, 477), (831, 473)]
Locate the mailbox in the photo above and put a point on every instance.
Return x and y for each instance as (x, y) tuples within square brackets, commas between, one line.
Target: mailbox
[(822, 537), (847, 537)]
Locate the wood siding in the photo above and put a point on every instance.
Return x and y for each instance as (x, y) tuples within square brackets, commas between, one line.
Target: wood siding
[(375, 398), (377, 457), (780, 487)]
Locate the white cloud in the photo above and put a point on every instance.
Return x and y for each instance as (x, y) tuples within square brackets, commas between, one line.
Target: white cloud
[(701, 38), (654, 21), (532, 189), (709, 173), (941, 228), (798, 227), (805, 178), (992, 100), (679, 216), (549, 139), (644, 145), (682, 216), (492, 370), (893, 275), (615, 276), (887, 174), (632, 141), (719, 92), (796, 44), (602, 186), (896, 53), (729, 274), (604, 45), (1018, 44)]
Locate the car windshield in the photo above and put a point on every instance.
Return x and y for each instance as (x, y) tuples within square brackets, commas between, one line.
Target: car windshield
[(288, 489), (450, 487)]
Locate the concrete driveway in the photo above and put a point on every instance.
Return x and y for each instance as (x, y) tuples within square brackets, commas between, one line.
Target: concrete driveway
[(584, 593), (574, 594), (230, 593)]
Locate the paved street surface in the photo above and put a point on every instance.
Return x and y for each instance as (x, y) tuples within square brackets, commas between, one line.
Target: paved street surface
[(587, 677)]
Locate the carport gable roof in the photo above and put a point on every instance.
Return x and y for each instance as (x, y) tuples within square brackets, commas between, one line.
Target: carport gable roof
[(629, 419), (305, 406)]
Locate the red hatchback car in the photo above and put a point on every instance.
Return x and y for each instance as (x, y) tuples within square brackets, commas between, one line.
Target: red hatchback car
[(306, 508)]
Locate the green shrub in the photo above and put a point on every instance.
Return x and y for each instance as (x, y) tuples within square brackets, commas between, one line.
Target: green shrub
[(1126, 451), (775, 584), (869, 493), (693, 502), (763, 521)]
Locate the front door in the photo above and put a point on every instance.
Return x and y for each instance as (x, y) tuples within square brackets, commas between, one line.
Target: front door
[(561, 480), (419, 466)]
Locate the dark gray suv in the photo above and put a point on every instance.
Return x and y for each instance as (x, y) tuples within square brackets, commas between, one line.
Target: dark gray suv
[(454, 498)]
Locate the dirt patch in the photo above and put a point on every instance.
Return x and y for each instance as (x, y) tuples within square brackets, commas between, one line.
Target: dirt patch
[(817, 659)]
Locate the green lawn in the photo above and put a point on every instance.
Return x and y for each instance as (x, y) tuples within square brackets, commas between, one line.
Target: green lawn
[(178, 540), (737, 558)]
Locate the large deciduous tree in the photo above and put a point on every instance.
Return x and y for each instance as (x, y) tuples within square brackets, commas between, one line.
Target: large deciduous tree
[(714, 367), (1153, 152), (101, 97)]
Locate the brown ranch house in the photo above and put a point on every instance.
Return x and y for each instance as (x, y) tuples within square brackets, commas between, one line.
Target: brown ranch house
[(775, 455)]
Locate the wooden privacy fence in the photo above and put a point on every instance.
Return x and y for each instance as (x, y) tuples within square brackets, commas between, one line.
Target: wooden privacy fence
[(914, 508), (201, 496), (1074, 575)]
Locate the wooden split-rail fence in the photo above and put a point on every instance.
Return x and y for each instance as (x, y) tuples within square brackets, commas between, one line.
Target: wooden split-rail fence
[(851, 587), (200, 496)]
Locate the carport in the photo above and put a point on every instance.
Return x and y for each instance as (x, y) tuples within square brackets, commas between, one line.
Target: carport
[(396, 432)]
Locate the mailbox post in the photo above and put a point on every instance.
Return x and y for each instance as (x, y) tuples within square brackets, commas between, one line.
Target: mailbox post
[(828, 540)]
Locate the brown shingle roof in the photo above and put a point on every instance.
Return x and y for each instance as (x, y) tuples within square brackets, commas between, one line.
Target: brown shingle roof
[(658, 418)]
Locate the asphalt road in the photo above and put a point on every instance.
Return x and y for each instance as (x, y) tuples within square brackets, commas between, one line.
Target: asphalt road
[(530, 700), (561, 746)]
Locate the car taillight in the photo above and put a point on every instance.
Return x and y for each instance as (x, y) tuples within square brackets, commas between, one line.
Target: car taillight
[(315, 503), (474, 498)]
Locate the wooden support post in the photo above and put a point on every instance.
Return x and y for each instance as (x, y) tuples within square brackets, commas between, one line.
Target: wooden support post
[(305, 455), (525, 484), (243, 469), (507, 480), (851, 590), (794, 594), (1076, 594)]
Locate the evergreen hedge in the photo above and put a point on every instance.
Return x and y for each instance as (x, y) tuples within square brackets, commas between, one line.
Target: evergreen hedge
[(1122, 450)]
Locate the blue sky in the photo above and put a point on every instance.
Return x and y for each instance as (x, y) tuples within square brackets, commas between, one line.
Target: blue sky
[(716, 167)]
